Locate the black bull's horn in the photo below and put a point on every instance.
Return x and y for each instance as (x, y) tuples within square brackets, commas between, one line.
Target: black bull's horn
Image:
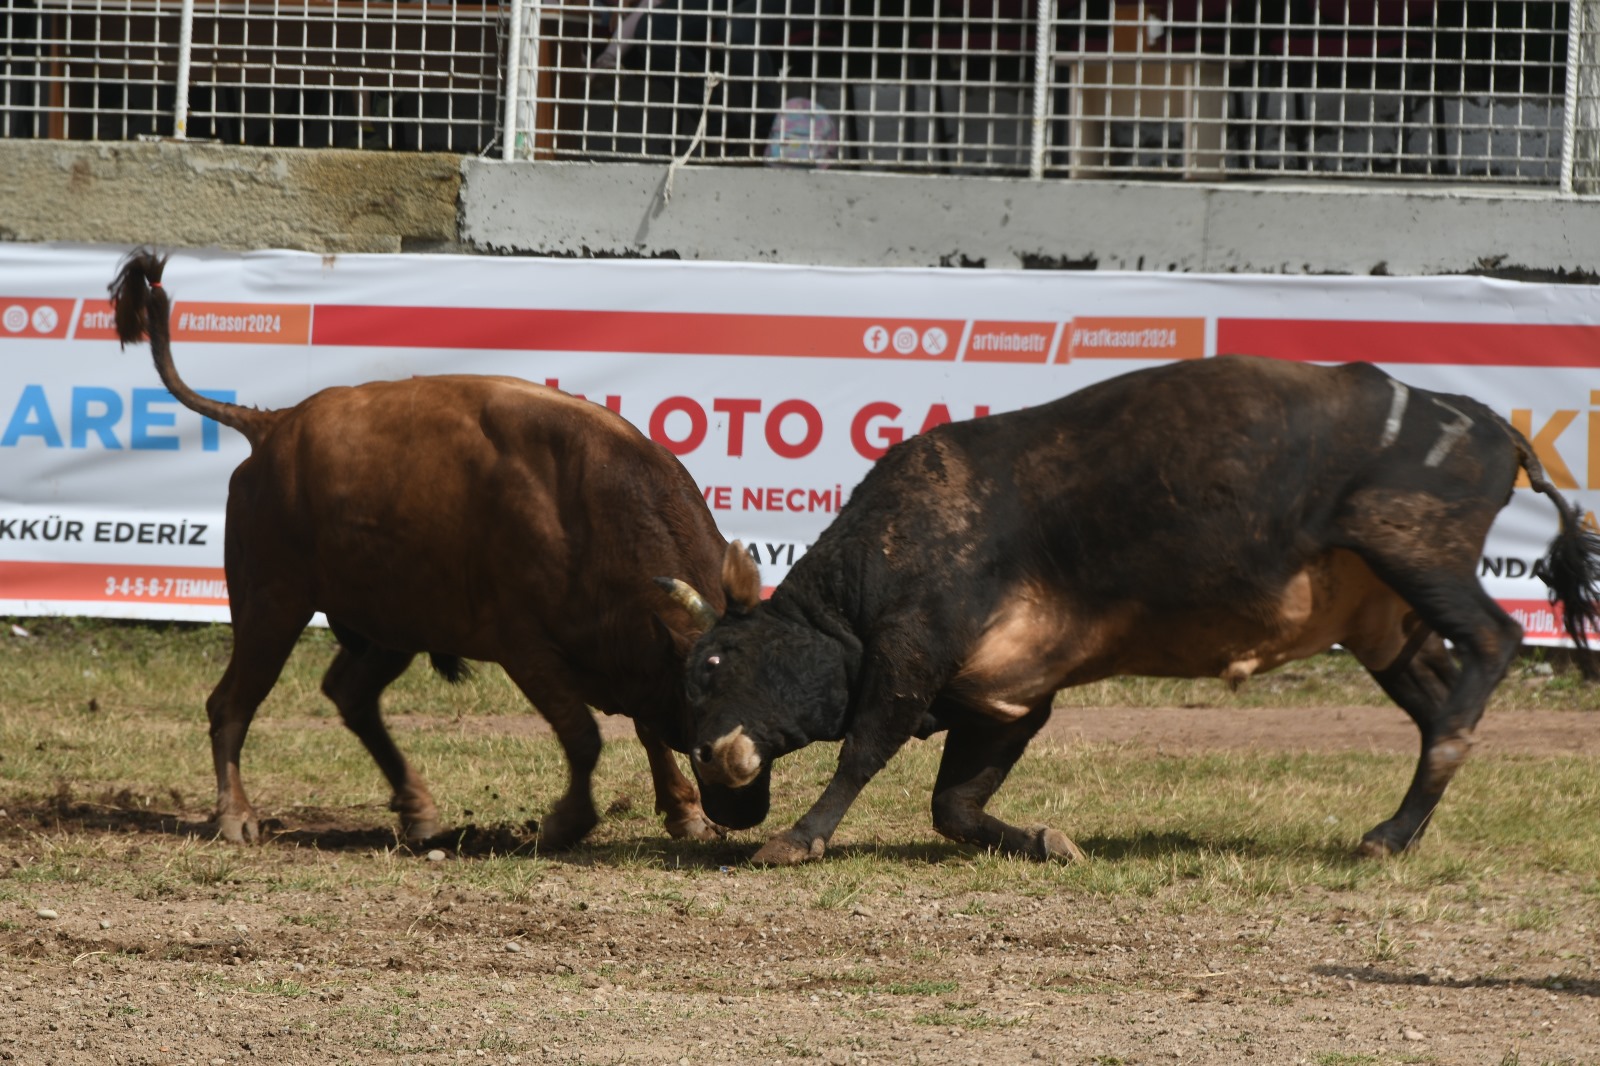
[(684, 595)]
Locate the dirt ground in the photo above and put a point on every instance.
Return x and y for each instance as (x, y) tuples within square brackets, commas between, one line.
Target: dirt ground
[(730, 964)]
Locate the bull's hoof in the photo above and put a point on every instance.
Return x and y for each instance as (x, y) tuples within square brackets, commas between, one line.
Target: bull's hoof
[(567, 824), (1054, 844), (419, 817), (788, 850), (1375, 847), (694, 825), (238, 828), (420, 832), (1382, 841)]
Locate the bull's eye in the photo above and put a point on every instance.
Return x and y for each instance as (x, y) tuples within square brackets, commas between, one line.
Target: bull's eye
[(713, 660)]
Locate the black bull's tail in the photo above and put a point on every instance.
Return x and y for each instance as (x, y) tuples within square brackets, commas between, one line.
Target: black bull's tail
[(1571, 568)]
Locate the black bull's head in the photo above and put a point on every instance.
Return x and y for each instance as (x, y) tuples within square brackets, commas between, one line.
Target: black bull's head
[(760, 684)]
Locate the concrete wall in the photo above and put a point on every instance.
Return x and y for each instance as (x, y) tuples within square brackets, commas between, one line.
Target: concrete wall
[(196, 195), (202, 196)]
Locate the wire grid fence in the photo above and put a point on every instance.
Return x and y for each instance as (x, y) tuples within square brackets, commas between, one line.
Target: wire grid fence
[(307, 74), (1422, 89), (1457, 89)]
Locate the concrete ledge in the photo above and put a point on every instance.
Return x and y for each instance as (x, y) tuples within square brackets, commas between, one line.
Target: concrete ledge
[(205, 195), (334, 201), (863, 219)]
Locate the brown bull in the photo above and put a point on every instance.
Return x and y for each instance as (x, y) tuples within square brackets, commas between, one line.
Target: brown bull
[(470, 518)]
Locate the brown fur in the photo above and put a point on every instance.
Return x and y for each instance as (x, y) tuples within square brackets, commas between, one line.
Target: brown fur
[(466, 517)]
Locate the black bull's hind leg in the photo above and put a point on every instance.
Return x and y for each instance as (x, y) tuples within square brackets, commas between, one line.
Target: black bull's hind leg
[(1444, 700), (978, 754)]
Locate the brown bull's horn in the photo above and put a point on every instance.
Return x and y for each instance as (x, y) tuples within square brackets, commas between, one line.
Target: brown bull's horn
[(684, 595)]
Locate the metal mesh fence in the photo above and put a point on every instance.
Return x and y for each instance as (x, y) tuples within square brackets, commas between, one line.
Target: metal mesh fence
[(1471, 89), (1457, 90), (307, 74)]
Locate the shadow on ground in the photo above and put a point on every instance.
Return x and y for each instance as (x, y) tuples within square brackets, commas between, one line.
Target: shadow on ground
[(1586, 988)]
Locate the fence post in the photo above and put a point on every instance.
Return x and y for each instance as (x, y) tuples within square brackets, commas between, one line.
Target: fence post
[(1580, 113), (180, 109), (522, 79), (508, 145), (1044, 40)]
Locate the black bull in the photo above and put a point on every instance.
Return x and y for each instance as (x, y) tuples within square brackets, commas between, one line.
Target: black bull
[(1213, 518)]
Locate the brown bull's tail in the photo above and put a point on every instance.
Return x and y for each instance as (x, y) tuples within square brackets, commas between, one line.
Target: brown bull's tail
[(142, 309), (1571, 568)]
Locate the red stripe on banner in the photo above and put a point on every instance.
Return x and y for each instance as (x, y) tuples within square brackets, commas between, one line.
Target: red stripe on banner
[(1538, 619), (113, 582), (1453, 343), (648, 332), (32, 318), (1135, 338), (1010, 342)]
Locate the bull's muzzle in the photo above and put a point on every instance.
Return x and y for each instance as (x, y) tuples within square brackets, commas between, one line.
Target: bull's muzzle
[(730, 760)]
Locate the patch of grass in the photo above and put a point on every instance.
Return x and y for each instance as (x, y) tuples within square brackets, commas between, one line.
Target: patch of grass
[(1536, 918), (283, 988), (1227, 832), (794, 1049), (500, 1042), (315, 921), (1342, 1058), (842, 891), (920, 988), (1385, 945), (964, 1016)]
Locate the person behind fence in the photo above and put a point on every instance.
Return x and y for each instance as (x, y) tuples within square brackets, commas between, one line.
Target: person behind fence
[(737, 40)]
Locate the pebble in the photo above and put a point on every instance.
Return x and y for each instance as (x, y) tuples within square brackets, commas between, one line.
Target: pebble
[(105, 923), (436, 855), (1411, 1034), (513, 946), (46, 912)]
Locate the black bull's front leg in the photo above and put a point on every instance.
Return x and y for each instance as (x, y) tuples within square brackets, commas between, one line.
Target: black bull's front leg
[(887, 706), (979, 752)]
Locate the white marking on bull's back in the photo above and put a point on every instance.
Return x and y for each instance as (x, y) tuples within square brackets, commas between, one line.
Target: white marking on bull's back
[(1397, 413), (1449, 434)]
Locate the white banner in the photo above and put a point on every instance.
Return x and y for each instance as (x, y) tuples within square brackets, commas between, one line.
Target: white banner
[(777, 386)]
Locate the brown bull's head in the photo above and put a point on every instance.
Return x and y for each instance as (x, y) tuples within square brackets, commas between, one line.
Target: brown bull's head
[(761, 682)]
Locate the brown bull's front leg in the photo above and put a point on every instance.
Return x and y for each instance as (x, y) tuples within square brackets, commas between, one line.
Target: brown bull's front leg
[(676, 796)]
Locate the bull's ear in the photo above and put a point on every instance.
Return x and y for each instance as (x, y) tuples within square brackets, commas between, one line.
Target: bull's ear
[(741, 579)]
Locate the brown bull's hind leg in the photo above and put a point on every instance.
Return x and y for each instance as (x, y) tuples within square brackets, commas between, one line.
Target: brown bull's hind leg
[(978, 754), (261, 645), (1444, 699), (676, 796), (354, 682), (545, 684)]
